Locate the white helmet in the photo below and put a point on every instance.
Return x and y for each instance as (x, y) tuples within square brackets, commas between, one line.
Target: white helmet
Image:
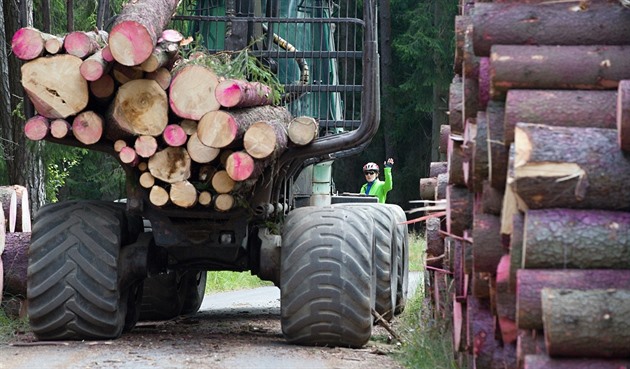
[(370, 166)]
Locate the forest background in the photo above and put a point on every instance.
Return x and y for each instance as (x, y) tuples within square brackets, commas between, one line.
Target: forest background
[(416, 45)]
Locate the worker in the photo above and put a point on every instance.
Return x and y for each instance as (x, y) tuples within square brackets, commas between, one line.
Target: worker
[(374, 186)]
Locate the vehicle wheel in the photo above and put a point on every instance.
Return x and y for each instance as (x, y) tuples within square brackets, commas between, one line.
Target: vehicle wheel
[(194, 288), (161, 299), (385, 256), (327, 284), (401, 240), (73, 275)]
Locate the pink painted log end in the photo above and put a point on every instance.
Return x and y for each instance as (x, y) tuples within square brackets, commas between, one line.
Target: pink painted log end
[(78, 44), (88, 127), (59, 128), (129, 156), (172, 35), (27, 43), (623, 115), (107, 54), (174, 135), (36, 128), (239, 166), (228, 94), (130, 43)]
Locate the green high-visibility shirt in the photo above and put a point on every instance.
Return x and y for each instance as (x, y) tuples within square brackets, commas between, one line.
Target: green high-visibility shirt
[(380, 188)]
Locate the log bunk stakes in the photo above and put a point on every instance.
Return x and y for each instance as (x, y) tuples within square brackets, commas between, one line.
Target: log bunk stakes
[(531, 263)]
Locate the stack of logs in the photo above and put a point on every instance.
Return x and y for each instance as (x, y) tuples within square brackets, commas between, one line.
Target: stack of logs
[(15, 235), (536, 238), (196, 136)]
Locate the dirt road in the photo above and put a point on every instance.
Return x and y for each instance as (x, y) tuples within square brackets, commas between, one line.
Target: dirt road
[(238, 329)]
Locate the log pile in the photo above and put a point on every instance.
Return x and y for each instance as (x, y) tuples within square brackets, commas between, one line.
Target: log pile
[(535, 236), (177, 121), (15, 235)]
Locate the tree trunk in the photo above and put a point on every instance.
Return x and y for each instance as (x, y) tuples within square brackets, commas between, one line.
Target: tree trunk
[(15, 263), (570, 167), (553, 24), (434, 240), (388, 116), (302, 130), (437, 168), (506, 302), (135, 32), (557, 67), (221, 128), (455, 106), (28, 43), (576, 239), (162, 55), (516, 247), (94, 67), (481, 324), (455, 160), (427, 188), (480, 153), (140, 108), (531, 281), (191, 93), (487, 248), (571, 108), (592, 323), (491, 199), (546, 362), (59, 94)]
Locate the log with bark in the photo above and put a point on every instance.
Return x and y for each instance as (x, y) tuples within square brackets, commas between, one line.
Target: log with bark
[(57, 94), (94, 67), (497, 150), (459, 210), (15, 263), (136, 29), (103, 89), (221, 128), (437, 168), (570, 167), (481, 323), (266, 139), (145, 146), (623, 115), (479, 158), (571, 108), (505, 302), (487, 247), (241, 166), (174, 135), (516, 247), (162, 55), (37, 128), (83, 44), (434, 240), (529, 342), (27, 43), (461, 24), (587, 323), (445, 135), (546, 362), (158, 196), (602, 23), (235, 93), (491, 199), (222, 182), (557, 67), (455, 161), (427, 188), (302, 130), (455, 106), (88, 127), (531, 281), (576, 239)]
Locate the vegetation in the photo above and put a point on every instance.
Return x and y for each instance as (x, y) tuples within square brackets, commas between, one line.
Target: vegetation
[(427, 340), (10, 327), (229, 281)]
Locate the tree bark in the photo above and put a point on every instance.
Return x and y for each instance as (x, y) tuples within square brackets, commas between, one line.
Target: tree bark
[(497, 149), (576, 239), (570, 108), (15, 263), (481, 324), (221, 128), (506, 302), (135, 32), (557, 67), (461, 24), (83, 44), (162, 55), (191, 93), (623, 115), (434, 240), (59, 94), (479, 158), (233, 93), (570, 167), (487, 248), (455, 160), (528, 343), (516, 248), (458, 210), (437, 168), (455, 106), (531, 281), (553, 24), (546, 362), (592, 323), (491, 199), (140, 108), (440, 187), (427, 188)]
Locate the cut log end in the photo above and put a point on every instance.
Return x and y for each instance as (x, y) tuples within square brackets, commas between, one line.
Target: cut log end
[(130, 43)]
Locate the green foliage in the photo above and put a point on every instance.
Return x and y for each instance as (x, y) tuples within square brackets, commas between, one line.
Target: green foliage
[(229, 281), (10, 327)]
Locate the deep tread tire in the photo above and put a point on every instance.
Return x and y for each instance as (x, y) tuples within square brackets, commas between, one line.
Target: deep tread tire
[(385, 256), (327, 285), (401, 241), (73, 271)]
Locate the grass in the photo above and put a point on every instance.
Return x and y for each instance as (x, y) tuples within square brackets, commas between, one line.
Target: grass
[(427, 341), (230, 281), (10, 327)]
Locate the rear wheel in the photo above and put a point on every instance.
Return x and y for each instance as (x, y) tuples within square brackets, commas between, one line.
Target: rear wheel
[(401, 242), (73, 277), (327, 284), (193, 292), (173, 293)]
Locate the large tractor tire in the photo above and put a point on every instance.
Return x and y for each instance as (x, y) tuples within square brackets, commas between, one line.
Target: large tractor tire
[(171, 294), (327, 283), (385, 256), (401, 242), (73, 278)]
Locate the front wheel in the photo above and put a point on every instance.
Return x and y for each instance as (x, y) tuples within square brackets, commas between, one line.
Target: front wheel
[(327, 284), (73, 287)]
